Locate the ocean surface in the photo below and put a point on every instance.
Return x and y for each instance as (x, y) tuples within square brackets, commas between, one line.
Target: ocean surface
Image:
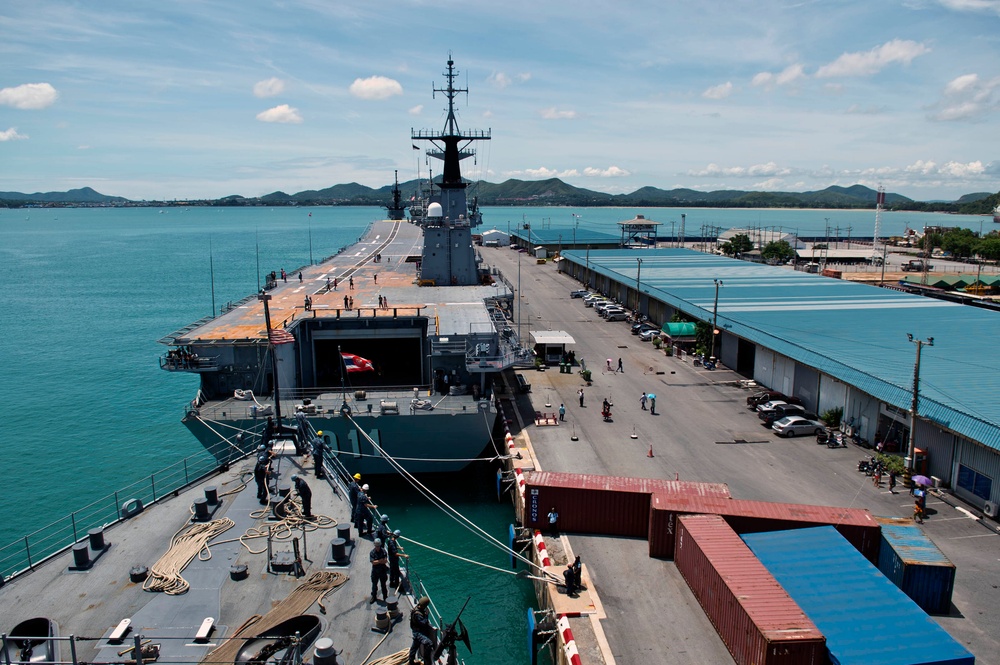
[(88, 292)]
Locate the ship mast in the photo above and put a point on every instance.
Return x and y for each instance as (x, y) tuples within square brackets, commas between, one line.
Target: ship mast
[(451, 144), (264, 297)]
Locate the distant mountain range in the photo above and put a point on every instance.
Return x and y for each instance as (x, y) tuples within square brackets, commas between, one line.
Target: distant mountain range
[(551, 192)]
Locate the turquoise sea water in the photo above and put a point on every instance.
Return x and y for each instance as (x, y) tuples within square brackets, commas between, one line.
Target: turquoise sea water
[(87, 292)]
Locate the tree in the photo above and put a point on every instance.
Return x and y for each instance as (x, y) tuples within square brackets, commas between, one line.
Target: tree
[(960, 242), (778, 250), (739, 244), (989, 248)]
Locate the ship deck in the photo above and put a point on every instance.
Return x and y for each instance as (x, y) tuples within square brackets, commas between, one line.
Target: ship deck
[(454, 309), (90, 604)]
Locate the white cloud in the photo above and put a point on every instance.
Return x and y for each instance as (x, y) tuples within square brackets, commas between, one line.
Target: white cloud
[(753, 171), (719, 91), (282, 113), (788, 75), (961, 84), (542, 172), (552, 113), (967, 97), (30, 96), (610, 172), (83, 147), (11, 135), (920, 166), (988, 6), (501, 80), (960, 170), (416, 110), (271, 87), (866, 63), (770, 185), (375, 87)]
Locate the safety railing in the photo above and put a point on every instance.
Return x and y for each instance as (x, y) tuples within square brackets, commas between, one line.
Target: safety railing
[(34, 548)]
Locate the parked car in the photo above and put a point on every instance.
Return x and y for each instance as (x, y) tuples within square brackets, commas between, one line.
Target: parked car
[(647, 335), (786, 410), (770, 407), (615, 314), (796, 425), (610, 308), (580, 293), (762, 396), (639, 327), (591, 300), (603, 305)]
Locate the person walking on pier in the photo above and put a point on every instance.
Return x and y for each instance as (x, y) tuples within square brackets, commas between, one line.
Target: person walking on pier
[(300, 277), (336, 281), (621, 368), (380, 570), (652, 403), (554, 523), (579, 393), (642, 401), (562, 412), (351, 283)]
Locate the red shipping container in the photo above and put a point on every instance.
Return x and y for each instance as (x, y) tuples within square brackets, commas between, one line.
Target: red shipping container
[(856, 525), (756, 619), (606, 505)]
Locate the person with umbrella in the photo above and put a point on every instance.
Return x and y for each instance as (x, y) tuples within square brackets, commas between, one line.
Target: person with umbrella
[(652, 403)]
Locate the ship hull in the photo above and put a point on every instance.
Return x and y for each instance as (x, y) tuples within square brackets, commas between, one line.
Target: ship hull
[(426, 443)]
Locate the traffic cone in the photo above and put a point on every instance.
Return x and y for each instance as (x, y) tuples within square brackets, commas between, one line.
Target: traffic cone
[(650, 453)]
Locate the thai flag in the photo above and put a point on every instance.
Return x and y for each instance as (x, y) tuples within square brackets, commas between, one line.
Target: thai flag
[(355, 363)]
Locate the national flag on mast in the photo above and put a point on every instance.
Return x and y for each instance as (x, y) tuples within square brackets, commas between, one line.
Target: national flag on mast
[(281, 336), (355, 363)]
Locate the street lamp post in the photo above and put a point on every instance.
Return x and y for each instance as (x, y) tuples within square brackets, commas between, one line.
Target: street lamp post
[(715, 316), (638, 297), (912, 444)]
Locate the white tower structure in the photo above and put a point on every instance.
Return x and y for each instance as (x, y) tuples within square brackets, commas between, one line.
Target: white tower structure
[(876, 239)]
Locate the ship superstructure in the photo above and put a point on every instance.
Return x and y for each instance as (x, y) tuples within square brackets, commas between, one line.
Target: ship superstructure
[(413, 301)]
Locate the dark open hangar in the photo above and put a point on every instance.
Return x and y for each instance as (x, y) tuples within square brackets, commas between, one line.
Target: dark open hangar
[(833, 344)]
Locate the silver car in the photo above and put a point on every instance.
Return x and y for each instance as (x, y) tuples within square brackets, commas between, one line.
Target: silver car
[(615, 314), (796, 425)]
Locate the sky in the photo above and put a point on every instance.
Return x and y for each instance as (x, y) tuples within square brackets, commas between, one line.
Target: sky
[(204, 99)]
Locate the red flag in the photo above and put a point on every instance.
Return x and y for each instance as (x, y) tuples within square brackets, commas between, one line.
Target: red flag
[(281, 336), (355, 363)]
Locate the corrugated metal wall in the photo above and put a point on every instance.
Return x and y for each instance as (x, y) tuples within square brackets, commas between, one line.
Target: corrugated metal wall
[(983, 461), (763, 367), (832, 394), (807, 386)]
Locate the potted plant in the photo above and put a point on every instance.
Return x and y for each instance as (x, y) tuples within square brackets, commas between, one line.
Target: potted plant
[(586, 375), (657, 342)]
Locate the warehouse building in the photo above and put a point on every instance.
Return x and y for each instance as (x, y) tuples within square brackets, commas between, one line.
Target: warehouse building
[(835, 344)]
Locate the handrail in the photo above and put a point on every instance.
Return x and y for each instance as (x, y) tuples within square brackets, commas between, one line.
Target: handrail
[(32, 549)]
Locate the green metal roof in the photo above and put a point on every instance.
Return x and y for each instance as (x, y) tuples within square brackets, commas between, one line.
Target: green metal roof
[(550, 236), (853, 332), (680, 329)]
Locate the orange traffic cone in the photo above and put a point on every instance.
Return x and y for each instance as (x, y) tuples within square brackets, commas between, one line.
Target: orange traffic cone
[(650, 453)]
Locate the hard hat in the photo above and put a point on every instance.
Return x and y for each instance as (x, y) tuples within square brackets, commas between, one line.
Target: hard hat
[(262, 447), (357, 476), (262, 458), (424, 601), (397, 533), (319, 433), (364, 487), (385, 518), (295, 476), (377, 541)]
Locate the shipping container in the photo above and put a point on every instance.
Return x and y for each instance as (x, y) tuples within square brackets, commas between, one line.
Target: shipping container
[(857, 525), (757, 620), (911, 561), (606, 505), (865, 617)]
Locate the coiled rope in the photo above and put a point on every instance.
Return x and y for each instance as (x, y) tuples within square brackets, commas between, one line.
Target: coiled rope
[(314, 589), (187, 543)]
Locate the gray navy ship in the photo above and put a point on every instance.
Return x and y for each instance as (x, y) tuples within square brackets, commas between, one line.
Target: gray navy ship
[(390, 347)]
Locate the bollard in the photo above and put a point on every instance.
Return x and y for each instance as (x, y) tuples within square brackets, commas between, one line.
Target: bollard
[(96, 537), (201, 509), (212, 495), (338, 549), (344, 532), (81, 555), (324, 653)]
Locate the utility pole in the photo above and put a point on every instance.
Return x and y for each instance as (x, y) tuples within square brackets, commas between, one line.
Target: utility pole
[(715, 316), (638, 296), (911, 446)]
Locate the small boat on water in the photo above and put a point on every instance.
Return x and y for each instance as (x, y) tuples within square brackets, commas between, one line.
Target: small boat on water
[(31, 642)]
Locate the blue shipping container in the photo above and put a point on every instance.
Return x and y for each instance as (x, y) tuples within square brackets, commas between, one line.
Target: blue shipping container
[(865, 617), (914, 563)]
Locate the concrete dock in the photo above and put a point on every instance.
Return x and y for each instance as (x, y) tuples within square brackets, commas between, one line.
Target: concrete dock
[(702, 431)]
